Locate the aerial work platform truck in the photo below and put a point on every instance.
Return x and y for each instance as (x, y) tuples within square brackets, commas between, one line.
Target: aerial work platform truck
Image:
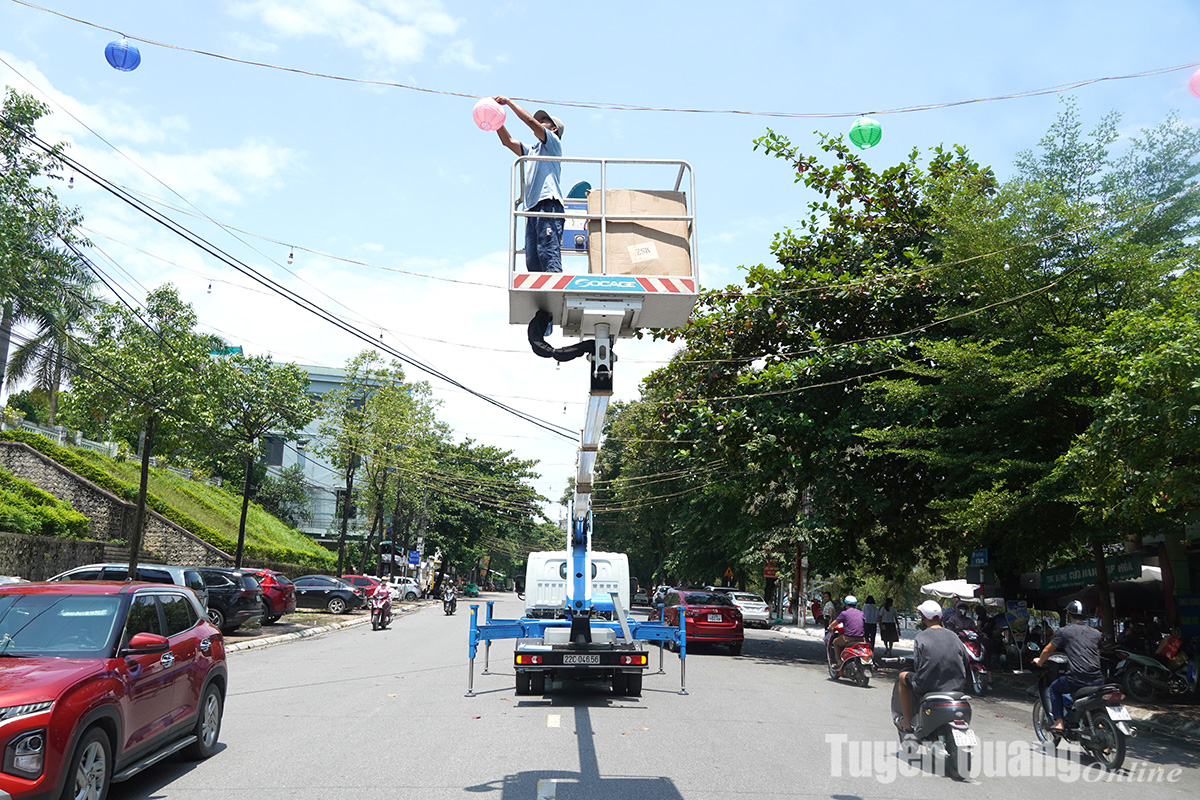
[(629, 263)]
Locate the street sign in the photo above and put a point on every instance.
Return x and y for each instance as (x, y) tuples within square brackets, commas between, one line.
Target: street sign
[(771, 571), (414, 558), (1119, 568), (979, 558), (729, 572)]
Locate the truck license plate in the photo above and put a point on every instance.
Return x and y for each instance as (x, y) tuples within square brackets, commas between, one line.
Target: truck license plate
[(1119, 713), (581, 659), (965, 738), (715, 618)]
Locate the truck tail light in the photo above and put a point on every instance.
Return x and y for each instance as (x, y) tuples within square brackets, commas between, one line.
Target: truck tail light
[(636, 660), (528, 660)]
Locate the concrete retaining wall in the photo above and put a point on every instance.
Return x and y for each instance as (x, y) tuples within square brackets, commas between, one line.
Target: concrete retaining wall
[(111, 517)]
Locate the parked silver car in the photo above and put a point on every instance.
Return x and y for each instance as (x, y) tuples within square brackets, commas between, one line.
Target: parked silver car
[(153, 573), (404, 588), (755, 611)]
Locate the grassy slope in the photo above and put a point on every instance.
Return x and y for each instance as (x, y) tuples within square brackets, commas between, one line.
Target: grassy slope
[(210, 512), (211, 506)]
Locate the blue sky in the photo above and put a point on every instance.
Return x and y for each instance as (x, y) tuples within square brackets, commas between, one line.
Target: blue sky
[(403, 182)]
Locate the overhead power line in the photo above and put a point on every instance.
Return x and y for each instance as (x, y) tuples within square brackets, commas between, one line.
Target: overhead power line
[(608, 106), (279, 289)]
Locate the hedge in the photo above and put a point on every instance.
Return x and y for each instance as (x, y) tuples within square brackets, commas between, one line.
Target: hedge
[(24, 508)]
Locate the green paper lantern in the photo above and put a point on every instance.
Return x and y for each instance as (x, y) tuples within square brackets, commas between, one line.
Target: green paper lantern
[(865, 133)]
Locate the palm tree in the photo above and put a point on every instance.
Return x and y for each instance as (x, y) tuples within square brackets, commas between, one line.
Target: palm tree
[(52, 355)]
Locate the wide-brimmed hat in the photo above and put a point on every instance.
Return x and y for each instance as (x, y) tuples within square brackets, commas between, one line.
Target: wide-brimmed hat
[(543, 114)]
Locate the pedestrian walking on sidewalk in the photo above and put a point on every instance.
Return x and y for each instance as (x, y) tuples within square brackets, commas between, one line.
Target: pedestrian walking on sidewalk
[(889, 629), (870, 620)]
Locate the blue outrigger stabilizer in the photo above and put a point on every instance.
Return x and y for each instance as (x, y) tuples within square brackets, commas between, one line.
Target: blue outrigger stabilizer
[(543, 650), (582, 644)]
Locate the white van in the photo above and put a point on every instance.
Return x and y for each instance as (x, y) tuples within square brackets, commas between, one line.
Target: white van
[(546, 583)]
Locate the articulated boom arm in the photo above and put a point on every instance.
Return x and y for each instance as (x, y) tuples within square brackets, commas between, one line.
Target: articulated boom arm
[(579, 540)]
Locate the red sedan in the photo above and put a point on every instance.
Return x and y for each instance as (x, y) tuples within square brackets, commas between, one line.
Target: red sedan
[(100, 680), (709, 617)]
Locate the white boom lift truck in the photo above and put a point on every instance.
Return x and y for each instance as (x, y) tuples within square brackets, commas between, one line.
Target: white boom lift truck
[(640, 272)]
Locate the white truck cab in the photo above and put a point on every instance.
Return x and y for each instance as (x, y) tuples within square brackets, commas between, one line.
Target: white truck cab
[(546, 583)]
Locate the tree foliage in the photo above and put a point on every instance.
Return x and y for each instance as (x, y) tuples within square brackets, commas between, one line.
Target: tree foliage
[(903, 385)]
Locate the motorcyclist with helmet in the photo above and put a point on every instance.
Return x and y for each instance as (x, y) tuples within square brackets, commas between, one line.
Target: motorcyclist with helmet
[(939, 659), (852, 627), (1081, 645)]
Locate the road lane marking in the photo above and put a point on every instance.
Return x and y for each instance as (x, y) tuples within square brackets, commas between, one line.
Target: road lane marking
[(553, 720), (547, 789)]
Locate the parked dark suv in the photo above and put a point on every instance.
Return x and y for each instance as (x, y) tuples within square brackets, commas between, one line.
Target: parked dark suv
[(102, 680), (234, 597)]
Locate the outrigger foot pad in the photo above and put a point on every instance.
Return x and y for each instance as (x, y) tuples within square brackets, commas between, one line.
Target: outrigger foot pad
[(537, 340)]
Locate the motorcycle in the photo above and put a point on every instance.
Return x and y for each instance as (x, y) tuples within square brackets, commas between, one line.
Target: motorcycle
[(943, 722), (1172, 671), (1093, 717), (381, 611), (856, 662), (449, 603), (977, 678)]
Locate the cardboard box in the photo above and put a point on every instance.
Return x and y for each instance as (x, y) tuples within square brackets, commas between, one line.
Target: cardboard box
[(650, 247)]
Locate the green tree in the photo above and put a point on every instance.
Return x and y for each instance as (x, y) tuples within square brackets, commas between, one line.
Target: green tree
[(481, 501), (285, 495), (1139, 459), (764, 406), (344, 435), (250, 397), (32, 223), (52, 355), (145, 372), (1039, 268)]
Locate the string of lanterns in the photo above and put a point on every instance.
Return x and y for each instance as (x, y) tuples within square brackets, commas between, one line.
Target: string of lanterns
[(865, 133)]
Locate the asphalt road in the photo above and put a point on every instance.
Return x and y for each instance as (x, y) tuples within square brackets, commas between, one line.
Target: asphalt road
[(365, 715)]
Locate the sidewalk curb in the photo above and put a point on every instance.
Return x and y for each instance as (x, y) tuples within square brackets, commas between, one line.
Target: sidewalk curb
[(308, 633)]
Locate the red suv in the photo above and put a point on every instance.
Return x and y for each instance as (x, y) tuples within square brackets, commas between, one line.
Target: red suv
[(101, 680), (279, 594), (364, 582)]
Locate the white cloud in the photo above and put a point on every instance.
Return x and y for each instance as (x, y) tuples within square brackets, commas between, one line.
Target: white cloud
[(394, 31), (114, 120), (462, 51)]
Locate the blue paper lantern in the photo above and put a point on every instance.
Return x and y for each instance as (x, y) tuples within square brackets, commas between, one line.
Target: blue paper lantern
[(122, 55)]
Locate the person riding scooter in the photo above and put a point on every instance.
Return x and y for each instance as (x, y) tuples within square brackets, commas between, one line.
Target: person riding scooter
[(1081, 645), (381, 597), (449, 598), (939, 663), (852, 628)]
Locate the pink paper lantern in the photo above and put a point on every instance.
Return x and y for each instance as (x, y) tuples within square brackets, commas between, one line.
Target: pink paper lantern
[(488, 114), (1194, 83)]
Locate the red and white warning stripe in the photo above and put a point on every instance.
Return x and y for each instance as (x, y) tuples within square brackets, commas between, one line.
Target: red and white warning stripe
[(554, 281)]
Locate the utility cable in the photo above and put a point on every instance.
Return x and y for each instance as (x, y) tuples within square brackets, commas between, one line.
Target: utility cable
[(627, 106), (284, 292)]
